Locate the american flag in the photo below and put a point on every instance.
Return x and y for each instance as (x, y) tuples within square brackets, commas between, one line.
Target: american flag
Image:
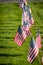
[(25, 1), (25, 15), (38, 40), (27, 18), (27, 30), (30, 16), (33, 51), (20, 36), (22, 2)]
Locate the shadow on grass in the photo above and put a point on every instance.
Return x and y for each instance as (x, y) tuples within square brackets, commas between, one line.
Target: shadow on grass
[(6, 47), (13, 55), (8, 38), (6, 64)]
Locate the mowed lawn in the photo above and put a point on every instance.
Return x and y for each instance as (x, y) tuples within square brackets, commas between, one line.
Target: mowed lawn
[(10, 19)]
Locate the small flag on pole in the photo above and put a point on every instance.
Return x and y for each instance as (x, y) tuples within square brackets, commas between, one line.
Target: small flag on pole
[(24, 14), (33, 51), (27, 18), (30, 16), (38, 40), (27, 30), (22, 2), (20, 36)]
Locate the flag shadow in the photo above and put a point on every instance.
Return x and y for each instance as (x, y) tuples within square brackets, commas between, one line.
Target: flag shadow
[(6, 47), (12, 55), (6, 64)]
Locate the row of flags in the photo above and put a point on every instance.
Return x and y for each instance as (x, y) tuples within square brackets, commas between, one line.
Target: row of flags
[(27, 21), (24, 31)]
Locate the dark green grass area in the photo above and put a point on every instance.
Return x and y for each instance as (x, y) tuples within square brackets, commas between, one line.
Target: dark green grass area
[(10, 19)]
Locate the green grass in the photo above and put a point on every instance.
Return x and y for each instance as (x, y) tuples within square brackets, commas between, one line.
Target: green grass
[(10, 19)]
